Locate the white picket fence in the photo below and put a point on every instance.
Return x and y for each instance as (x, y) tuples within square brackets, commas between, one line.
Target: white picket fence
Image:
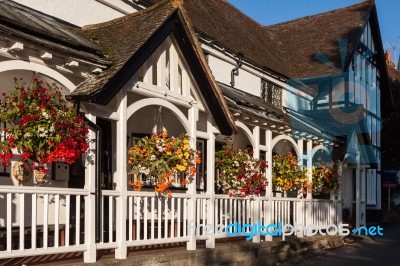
[(38, 221)]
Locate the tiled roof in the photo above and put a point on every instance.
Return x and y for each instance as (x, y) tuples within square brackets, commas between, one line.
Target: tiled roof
[(393, 73), (247, 103), (34, 26), (128, 42), (120, 39), (227, 27), (289, 48), (309, 39)]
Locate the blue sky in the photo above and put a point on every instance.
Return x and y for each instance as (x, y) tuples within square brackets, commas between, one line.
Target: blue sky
[(269, 12)]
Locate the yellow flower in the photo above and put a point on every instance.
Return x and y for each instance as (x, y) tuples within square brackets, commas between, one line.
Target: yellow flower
[(180, 167)]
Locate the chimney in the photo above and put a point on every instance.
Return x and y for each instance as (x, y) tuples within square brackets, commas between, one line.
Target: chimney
[(388, 59), (388, 56)]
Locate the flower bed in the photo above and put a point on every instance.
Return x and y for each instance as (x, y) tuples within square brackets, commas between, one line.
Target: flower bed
[(41, 126), (240, 174), (162, 159)]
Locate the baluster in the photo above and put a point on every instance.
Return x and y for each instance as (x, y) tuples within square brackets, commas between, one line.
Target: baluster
[(45, 221), (153, 210), (110, 218), (78, 220), (34, 215), (130, 218), (56, 220), (179, 217), (67, 217), (145, 211), (21, 221)]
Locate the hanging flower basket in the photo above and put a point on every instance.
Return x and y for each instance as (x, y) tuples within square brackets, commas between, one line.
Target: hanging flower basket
[(161, 158), (325, 178), (287, 174), (239, 173), (41, 126)]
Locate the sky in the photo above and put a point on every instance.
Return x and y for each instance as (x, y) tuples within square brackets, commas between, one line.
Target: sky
[(268, 12)]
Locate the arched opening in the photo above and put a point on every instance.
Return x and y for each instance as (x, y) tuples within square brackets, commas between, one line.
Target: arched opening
[(283, 147), (144, 120)]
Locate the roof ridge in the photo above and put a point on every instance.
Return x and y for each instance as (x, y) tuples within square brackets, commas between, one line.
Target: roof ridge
[(105, 24), (363, 2)]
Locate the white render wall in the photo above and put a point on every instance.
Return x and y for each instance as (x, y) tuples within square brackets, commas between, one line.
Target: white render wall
[(81, 12)]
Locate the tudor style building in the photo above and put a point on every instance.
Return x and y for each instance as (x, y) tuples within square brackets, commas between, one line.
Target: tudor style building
[(285, 87)]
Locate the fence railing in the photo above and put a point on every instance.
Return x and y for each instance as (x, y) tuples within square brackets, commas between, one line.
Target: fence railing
[(36, 221)]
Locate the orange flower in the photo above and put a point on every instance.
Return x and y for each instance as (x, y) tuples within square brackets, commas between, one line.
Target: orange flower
[(184, 182), (198, 160), (136, 184)]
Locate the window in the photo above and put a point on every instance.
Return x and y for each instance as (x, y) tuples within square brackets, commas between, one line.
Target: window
[(271, 93)]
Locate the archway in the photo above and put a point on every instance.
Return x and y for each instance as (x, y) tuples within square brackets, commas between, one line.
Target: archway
[(283, 144), (149, 103), (24, 68)]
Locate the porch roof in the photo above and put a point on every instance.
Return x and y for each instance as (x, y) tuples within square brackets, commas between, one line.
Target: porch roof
[(250, 106), (129, 41), (342, 123)]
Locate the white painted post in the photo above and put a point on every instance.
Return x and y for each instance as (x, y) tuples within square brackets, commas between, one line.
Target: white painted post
[(148, 71), (363, 199), (268, 173), (161, 70), (210, 242), (257, 202), (121, 175), (358, 187), (299, 206), (309, 205), (193, 115), (379, 188), (90, 205), (339, 204), (173, 63)]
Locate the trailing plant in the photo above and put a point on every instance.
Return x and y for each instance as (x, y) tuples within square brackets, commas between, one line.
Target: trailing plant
[(325, 177), (287, 174), (41, 126), (161, 159), (240, 174)]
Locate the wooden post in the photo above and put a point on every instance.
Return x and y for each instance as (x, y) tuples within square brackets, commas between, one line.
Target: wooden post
[(257, 202), (121, 176), (210, 242), (89, 254), (268, 192), (308, 208), (358, 187), (193, 117)]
